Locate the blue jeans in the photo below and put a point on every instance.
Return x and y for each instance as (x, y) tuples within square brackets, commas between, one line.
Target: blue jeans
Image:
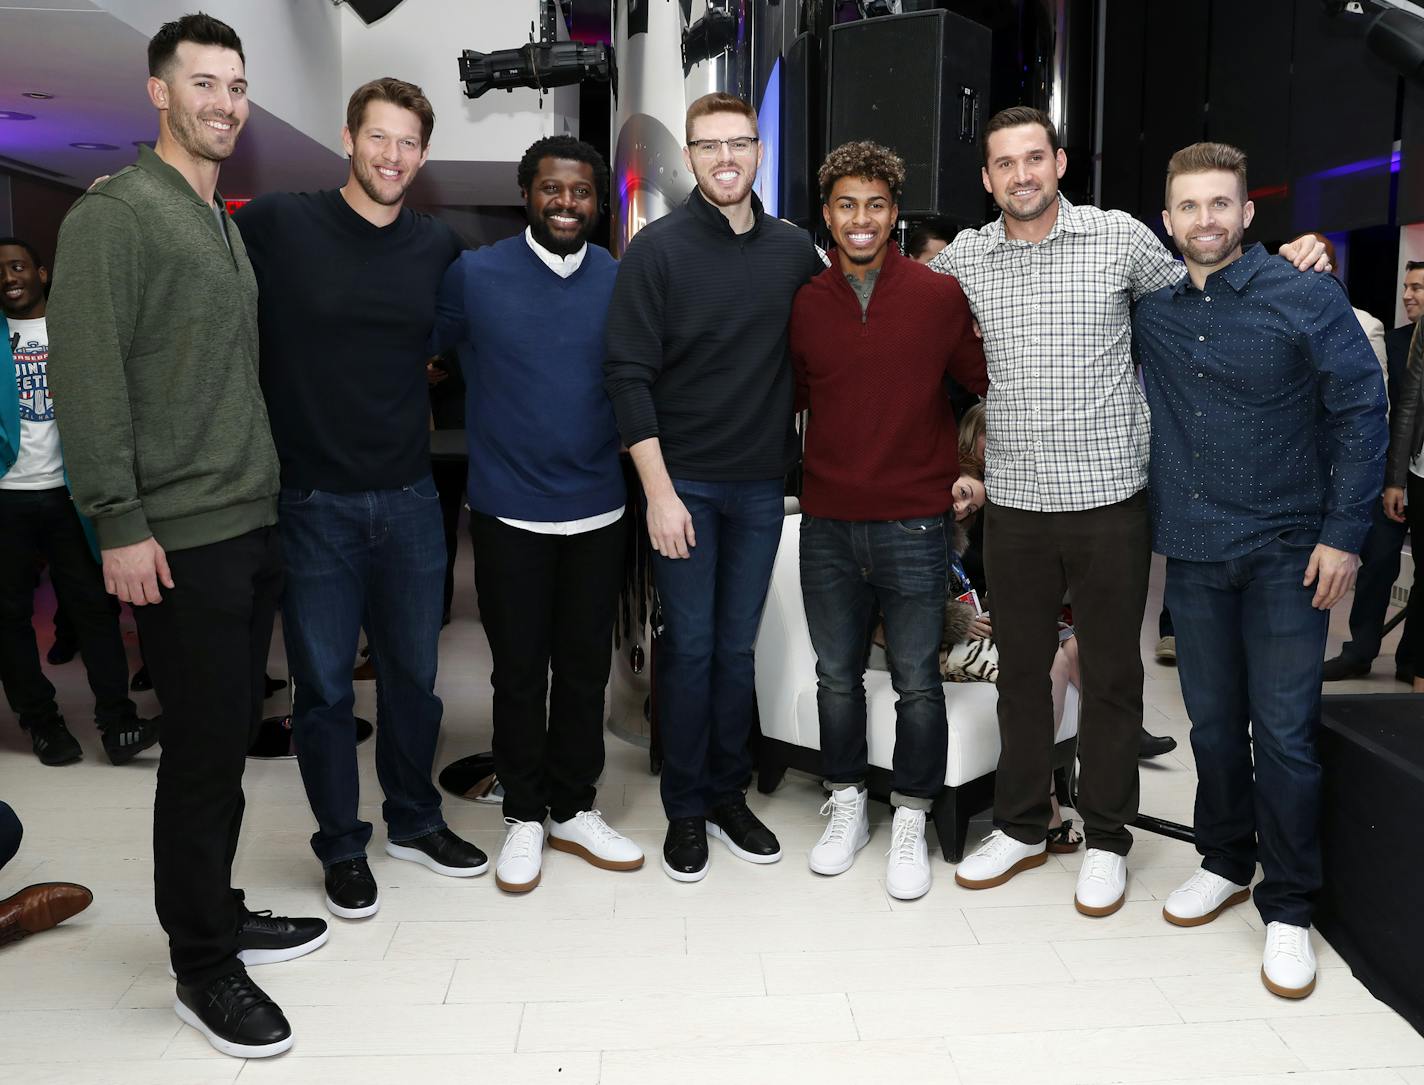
[(374, 558), (849, 572), (1249, 652), (711, 608), (1379, 569)]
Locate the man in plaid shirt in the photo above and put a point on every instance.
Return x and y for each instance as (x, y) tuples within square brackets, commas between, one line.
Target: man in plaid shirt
[(1052, 285)]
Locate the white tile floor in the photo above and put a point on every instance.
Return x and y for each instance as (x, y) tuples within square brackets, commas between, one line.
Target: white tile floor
[(758, 974)]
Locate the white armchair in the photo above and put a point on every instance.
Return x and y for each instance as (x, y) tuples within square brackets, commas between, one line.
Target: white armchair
[(790, 727)]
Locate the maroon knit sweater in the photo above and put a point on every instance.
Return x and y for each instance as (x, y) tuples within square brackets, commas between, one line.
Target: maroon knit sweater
[(881, 443)]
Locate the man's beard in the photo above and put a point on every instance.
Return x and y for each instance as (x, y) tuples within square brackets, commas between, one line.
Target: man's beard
[(1196, 256), (1033, 212), (366, 178), (560, 246), (196, 138)]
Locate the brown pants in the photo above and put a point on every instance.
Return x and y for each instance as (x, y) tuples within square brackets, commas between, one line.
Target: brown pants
[(1101, 557)]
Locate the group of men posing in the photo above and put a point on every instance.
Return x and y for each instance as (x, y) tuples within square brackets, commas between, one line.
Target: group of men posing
[(216, 377)]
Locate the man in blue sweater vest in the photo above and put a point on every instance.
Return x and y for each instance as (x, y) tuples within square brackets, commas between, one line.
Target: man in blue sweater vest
[(546, 501)]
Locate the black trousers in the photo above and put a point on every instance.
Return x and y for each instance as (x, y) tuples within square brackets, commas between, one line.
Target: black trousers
[(10, 833), (1102, 558), (38, 524), (206, 644), (548, 601), (450, 477), (1414, 621)]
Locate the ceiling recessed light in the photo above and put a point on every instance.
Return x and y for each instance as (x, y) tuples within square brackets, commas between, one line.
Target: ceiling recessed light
[(12, 115), (94, 146), (39, 95)]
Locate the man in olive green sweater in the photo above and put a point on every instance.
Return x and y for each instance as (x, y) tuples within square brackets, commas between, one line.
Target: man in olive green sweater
[(153, 323)]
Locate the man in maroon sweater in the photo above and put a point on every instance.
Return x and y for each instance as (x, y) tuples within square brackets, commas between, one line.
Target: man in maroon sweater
[(872, 339)]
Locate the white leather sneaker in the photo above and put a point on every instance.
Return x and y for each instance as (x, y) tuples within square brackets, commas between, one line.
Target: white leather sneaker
[(588, 836), (907, 874), (1201, 898), (847, 832), (1102, 883), (997, 860), (1288, 966), (520, 857)]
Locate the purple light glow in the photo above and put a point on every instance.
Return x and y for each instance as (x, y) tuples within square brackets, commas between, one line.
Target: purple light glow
[(1364, 165)]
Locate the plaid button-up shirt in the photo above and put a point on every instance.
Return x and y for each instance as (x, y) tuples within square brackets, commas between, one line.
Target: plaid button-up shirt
[(1067, 423)]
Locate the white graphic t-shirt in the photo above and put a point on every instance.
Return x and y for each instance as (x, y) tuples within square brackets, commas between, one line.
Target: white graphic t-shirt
[(39, 466)]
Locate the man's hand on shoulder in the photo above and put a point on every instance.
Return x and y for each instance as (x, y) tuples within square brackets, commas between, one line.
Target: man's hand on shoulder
[(1333, 574), (133, 573), (1307, 253)]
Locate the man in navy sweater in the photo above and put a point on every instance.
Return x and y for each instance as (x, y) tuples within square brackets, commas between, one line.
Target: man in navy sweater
[(347, 281), (872, 339), (700, 382), (546, 499)]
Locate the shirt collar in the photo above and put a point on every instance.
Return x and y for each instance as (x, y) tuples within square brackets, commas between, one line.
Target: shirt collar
[(1236, 274), (703, 208), (562, 266), (1069, 221), (149, 161)]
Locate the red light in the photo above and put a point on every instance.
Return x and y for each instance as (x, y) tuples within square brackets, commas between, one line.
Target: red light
[(233, 204)]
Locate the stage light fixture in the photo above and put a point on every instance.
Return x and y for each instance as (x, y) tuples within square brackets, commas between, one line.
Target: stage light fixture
[(541, 64), (1397, 37)]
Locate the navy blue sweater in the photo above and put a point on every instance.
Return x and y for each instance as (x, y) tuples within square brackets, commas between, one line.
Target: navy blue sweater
[(543, 440)]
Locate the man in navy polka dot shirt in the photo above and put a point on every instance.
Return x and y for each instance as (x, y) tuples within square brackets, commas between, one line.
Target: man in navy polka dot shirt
[(1268, 444)]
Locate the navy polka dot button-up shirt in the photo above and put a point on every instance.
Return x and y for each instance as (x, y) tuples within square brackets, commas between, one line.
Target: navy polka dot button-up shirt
[(1268, 411)]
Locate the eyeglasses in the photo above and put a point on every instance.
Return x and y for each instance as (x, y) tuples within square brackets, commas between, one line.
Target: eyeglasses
[(742, 146)]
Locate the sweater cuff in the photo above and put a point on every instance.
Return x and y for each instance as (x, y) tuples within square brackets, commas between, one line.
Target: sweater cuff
[(1346, 535), (122, 529)]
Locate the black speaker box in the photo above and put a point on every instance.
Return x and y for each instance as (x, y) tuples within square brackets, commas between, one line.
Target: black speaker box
[(919, 84), (798, 105)]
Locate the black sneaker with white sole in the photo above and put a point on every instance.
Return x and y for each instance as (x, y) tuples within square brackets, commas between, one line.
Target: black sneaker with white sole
[(265, 938), (443, 852), (350, 889), (53, 744), (126, 740), (236, 1016), (685, 850), (746, 837)]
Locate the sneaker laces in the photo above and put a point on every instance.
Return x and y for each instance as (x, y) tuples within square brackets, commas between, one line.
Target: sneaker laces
[(908, 831), (234, 994), (1098, 865), (592, 823), (1203, 883), (1288, 940), (996, 846), (843, 818), (737, 818), (519, 843)]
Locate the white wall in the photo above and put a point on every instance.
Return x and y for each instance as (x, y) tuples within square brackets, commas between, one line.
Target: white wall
[(421, 41), (293, 51)]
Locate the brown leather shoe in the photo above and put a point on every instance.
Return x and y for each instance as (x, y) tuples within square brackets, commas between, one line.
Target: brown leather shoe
[(39, 907)]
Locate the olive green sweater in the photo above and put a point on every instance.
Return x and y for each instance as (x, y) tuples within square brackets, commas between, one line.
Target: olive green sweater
[(153, 354)]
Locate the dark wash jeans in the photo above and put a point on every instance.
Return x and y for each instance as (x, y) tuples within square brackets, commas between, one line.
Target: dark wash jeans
[(849, 570), (38, 524), (1102, 558), (206, 645), (548, 603), (378, 558), (1249, 652), (1379, 569), (711, 608)]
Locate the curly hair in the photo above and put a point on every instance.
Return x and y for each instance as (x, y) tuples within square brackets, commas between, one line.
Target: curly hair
[(861, 158), (567, 147)]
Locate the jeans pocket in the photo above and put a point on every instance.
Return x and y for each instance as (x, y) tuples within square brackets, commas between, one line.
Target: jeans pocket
[(294, 497), (424, 489), (920, 525)]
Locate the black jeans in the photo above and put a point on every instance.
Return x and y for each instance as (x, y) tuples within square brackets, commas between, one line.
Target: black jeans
[(1379, 569), (38, 524), (450, 477), (548, 601), (1414, 511), (10, 833), (850, 570), (1102, 557), (206, 644)]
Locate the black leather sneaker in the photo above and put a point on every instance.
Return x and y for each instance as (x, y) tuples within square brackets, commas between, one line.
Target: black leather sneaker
[(350, 889), (265, 938), (236, 1016), (685, 849), (125, 741), (443, 852), (746, 837), (53, 744)]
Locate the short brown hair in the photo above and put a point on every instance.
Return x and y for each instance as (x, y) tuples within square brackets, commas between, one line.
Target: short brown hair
[(719, 102), (1204, 158), (398, 93), (861, 158), (1016, 117)]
